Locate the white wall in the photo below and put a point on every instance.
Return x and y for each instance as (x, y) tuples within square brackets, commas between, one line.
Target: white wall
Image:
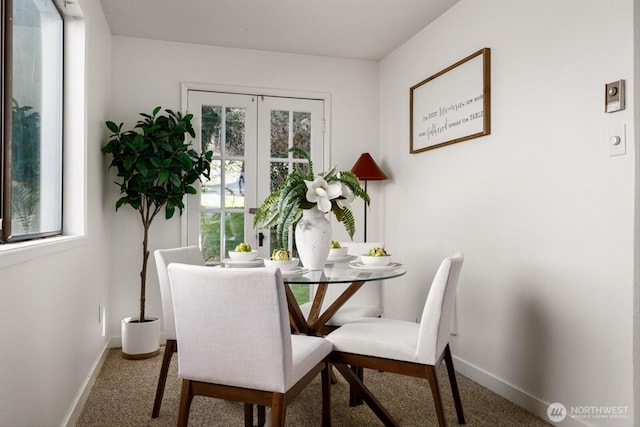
[(148, 73), (49, 294), (544, 215)]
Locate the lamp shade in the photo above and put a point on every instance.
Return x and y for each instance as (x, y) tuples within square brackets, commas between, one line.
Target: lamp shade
[(366, 169)]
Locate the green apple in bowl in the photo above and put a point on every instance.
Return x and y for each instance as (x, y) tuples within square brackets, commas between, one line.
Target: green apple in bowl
[(281, 258), (337, 250), (243, 252), (376, 256)]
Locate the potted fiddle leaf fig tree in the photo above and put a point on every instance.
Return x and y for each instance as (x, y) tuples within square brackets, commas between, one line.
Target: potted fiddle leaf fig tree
[(156, 167)]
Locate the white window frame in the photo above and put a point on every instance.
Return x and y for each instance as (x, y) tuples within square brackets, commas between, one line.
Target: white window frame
[(74, 161)]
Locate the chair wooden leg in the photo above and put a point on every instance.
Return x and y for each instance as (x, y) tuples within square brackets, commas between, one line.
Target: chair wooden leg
[(354, 398), (435, 391), (278, 410), (170, 348), (248, 415), (448, 360), (326, 395), (371, 401), (185, 403), (334, 379)]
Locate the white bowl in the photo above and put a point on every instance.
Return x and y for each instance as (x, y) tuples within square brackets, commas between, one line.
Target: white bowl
[(287, 265), (375, 260), (337, 252), (243, 256)]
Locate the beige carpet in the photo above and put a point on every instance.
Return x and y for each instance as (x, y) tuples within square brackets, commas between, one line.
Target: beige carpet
[(124, 391)]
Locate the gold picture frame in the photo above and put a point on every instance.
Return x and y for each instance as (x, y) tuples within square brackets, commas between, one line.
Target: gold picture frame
[(452, 105)]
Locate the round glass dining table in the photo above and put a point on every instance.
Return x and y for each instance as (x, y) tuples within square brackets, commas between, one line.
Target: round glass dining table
[(354, 274)]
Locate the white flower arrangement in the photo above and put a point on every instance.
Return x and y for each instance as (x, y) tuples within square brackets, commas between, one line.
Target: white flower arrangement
[(330, 191)]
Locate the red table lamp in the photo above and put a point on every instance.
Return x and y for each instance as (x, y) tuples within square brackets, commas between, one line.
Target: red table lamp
[(366, 169)]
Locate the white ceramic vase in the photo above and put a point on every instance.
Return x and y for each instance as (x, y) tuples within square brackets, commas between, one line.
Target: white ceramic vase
[(313, 239), (140, 340)]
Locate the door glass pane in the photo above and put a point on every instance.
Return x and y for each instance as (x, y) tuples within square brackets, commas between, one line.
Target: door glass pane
[(210, 194), (36, 151), (234, 133), (234, 184), (279, 133), (302, 130), (211, 127), (210, 235), (234, 230), (279, 172)]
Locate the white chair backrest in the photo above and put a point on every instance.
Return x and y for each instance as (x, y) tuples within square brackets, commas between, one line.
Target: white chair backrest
[(370, 293), (164, 257), (436, 318), (232, 326)]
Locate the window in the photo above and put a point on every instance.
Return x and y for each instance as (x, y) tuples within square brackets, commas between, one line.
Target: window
[(32, 69)]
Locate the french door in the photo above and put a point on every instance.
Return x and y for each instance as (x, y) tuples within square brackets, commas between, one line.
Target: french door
[(249, 136)]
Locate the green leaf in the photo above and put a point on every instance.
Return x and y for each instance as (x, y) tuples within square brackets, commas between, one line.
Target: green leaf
[(187, 163), (138, 142), (129, 143), (170, 210), (135, 203), (174, 179), (114, 127), (156, 162), (141, 165), (349, 222), (129, 162)]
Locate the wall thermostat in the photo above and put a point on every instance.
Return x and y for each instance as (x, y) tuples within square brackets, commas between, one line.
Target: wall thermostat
[(614, 96)]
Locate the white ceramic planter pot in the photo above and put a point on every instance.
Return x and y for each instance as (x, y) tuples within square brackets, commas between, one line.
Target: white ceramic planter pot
[(140, 340), (313, 239)]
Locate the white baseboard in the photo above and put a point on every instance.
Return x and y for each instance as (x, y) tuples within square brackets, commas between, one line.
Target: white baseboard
[(76, 408), (510, 392)]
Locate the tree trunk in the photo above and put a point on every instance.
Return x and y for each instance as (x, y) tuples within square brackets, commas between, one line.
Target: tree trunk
[(143, 273)]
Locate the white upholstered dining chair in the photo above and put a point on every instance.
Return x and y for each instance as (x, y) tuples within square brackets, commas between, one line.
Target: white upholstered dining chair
[(186, 255), (367, 302), (236, 342), (404, 347)]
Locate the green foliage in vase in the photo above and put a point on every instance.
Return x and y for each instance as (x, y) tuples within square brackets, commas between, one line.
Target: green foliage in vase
[(330, 191)]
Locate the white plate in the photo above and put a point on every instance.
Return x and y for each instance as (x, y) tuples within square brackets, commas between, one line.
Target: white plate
[(254, 263), (298, 271), (345, 258), (361, 266)]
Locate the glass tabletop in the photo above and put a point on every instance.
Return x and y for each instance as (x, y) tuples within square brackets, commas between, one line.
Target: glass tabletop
[(343, 273)]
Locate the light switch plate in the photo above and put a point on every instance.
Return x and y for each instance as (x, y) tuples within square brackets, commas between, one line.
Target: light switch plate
[(617, 140)]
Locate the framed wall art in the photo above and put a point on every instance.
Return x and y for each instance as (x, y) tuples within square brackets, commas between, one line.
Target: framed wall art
[(453, 105)]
